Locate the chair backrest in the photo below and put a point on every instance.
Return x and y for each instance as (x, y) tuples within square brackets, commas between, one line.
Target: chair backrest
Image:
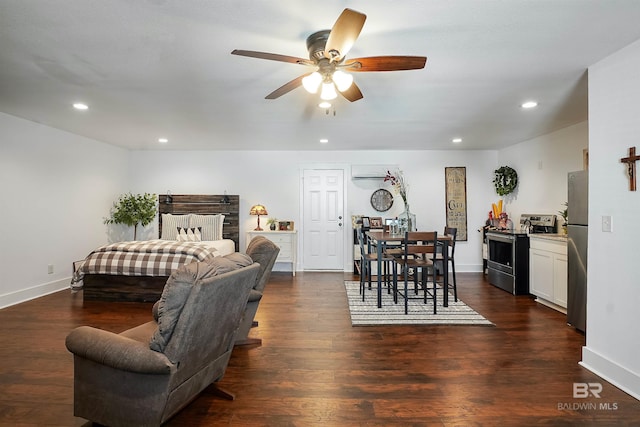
[(361, 240), (420, 244), (453, 232), (264, 252)]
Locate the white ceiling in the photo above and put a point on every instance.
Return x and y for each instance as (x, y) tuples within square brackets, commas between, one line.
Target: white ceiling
[(152, 68)]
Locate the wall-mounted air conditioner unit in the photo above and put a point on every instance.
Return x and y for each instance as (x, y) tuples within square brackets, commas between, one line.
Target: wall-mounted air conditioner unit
[(371, 171)]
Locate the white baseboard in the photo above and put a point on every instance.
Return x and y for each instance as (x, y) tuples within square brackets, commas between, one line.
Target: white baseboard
[(23, 295), (618, 375)]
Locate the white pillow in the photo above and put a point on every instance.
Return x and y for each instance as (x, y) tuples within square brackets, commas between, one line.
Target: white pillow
[(189, 234), (211, 225), (170, 225)]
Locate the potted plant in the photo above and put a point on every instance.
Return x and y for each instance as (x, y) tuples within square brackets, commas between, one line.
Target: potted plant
[(133, 209), (272, 222)]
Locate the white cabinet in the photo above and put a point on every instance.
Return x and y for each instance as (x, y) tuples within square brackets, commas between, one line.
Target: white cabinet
[(548, 270), (287, 242)]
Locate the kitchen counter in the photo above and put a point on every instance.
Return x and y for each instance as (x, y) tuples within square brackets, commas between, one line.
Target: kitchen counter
[(555, 237)]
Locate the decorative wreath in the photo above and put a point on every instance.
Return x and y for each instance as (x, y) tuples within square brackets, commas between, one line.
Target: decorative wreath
[(505, 181)]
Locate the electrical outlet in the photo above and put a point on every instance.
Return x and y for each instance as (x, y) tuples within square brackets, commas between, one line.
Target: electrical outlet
[(50, 269), (607, 223)]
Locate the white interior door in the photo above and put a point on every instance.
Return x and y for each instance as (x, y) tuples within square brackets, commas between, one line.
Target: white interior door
[(323, 219)]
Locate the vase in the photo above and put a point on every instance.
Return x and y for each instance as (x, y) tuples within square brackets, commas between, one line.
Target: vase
[(407, 219)]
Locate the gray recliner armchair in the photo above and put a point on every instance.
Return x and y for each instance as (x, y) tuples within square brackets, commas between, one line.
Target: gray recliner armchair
[(264, 252), (145, 375)]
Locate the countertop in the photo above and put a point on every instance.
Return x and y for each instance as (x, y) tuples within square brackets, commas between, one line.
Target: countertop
[(555, 237)]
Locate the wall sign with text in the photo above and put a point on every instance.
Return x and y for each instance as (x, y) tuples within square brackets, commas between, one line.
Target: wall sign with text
[(456, 196)]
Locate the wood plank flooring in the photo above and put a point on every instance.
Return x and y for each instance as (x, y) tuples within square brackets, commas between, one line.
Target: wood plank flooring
[(314, 369)]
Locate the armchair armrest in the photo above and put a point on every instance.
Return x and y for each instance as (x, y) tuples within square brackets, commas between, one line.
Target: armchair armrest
[(116, 351)]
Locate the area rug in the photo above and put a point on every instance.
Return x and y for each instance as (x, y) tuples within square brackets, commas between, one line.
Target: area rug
[(367, 313)]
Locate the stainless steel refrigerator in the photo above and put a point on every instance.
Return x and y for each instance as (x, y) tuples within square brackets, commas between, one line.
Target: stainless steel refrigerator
[(578, 221)]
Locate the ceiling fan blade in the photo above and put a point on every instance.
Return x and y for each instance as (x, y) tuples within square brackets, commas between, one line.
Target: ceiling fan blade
[(287, 87), (273, 57), (385, 63), (344, 34), (353, 93)]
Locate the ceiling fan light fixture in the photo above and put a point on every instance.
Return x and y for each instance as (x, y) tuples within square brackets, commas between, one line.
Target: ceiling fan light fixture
[(311, 83), (325, 104), (328, 92), (342, 80)]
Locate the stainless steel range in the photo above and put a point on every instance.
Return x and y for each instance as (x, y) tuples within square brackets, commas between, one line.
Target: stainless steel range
[(508, 252)]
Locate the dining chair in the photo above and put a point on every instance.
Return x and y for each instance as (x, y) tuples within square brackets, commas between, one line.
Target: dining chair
[(367, 258), (452, 284), (419, 250)]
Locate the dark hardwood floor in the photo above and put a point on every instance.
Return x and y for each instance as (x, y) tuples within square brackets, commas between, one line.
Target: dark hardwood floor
[(314, 369)]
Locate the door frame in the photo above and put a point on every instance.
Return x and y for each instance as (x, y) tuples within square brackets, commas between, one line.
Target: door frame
[(347, 250)]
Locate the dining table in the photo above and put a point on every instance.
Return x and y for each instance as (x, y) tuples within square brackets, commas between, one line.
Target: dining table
[(381, 238)]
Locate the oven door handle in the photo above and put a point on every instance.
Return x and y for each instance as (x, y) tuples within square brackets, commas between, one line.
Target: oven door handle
[(500, 238)]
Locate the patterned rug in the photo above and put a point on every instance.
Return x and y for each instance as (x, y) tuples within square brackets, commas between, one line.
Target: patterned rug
[(367, 313)]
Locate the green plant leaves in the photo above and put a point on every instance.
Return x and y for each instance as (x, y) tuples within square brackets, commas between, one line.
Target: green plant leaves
[(133, 209)]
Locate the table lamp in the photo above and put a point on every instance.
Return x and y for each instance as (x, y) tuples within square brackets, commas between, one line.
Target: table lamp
[(258, 210)]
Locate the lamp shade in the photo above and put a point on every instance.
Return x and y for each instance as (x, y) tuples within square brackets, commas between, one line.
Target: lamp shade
[(312, 82), (258, 210), (342, 80), (328, 92)]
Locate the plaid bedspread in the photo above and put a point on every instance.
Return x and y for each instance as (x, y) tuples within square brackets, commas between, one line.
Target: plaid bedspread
[(140, 258)]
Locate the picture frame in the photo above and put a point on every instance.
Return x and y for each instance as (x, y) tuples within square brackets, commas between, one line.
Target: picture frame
[(366, 224), (456, 200), (286, 226), (376, 222)]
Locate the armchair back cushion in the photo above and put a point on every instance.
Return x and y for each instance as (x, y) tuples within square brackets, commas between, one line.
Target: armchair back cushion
[(178, 289), (264, 252)]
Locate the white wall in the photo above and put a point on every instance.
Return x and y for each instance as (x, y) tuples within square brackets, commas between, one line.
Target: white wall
[(56, 188), (542, 164), (273, 179), (613, 291)]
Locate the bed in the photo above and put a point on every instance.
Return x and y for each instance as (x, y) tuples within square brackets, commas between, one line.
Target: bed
[(191, 228)]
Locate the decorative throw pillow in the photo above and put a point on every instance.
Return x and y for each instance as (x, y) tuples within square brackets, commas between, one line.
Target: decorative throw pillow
[(189, 234), (211, 225), (170, 224)]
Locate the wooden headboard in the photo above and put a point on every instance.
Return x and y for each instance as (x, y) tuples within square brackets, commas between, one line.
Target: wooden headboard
[(204, 204)]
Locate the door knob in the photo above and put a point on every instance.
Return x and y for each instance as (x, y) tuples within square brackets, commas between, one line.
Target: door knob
[(340, 217)]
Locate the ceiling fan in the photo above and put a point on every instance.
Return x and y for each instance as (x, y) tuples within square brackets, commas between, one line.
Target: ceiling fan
[(327, 51)]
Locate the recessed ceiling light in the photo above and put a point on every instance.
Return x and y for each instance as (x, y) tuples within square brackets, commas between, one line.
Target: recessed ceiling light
[(456, 140), (324, 105), (80, 106), (529, 104), (324, 140), (163, 140)]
